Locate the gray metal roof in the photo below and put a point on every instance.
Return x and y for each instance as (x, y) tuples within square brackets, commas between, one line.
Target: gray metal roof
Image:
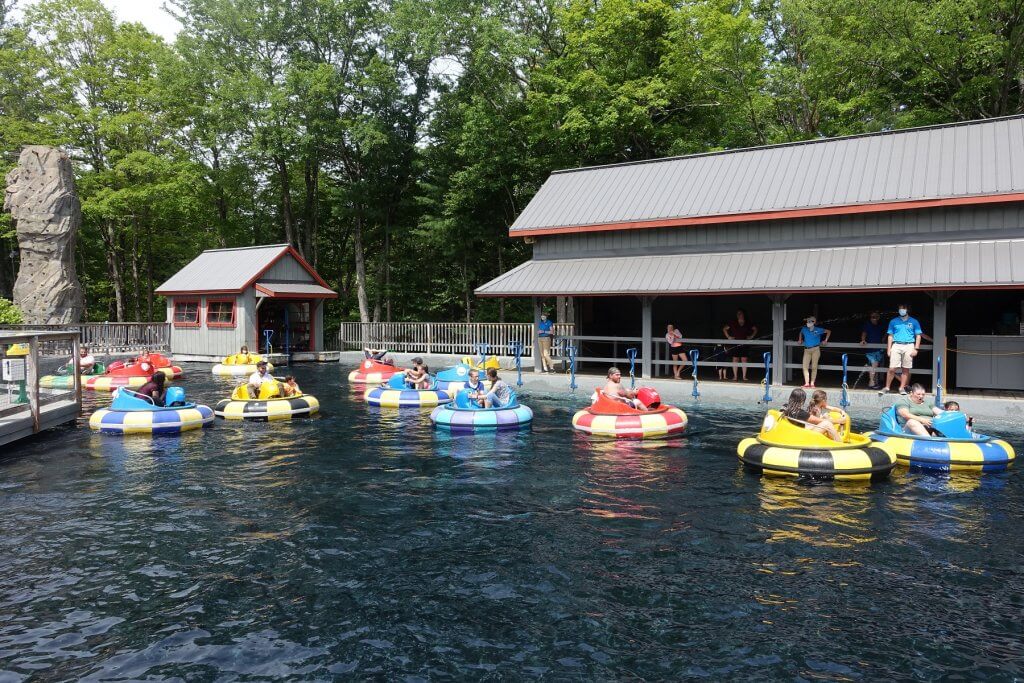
[(961, 160), (223, 270), (934, 265), (309, 288)]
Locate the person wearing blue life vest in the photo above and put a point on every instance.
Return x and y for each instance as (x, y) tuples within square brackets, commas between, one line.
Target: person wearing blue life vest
[(813, 338), (904, 341), (545, 333)]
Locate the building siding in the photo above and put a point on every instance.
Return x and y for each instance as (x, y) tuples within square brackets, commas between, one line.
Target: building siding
[(217, 341), (287, 270), (942, 224)]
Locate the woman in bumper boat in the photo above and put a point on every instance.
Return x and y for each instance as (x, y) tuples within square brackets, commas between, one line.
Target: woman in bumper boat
[(154, 389), (499, 394), (418, 376), (917, 413)]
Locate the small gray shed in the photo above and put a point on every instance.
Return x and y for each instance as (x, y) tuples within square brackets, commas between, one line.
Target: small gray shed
[(226, 298)]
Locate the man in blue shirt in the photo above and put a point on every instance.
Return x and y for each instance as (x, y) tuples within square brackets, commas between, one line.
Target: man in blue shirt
[(904, 341), (545, 332), (813, 338), (873, 332)]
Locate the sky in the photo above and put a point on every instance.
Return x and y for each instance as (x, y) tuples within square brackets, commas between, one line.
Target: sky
[(148, 13)]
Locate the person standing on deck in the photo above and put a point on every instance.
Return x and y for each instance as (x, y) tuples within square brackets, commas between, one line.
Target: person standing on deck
[(676, 352), (813, 338), (873, 332), (545, 333), (904, 341), (739, 329)]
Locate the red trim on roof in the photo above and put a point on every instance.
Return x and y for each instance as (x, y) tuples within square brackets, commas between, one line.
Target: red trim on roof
[(265, 289), (849, 209), (769, 292)]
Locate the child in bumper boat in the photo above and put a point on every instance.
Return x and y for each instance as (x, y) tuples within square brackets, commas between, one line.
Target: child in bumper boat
[(499, 394), (815, 416)]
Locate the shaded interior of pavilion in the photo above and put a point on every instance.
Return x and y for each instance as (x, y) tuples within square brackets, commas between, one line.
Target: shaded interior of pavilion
[(607, 326)]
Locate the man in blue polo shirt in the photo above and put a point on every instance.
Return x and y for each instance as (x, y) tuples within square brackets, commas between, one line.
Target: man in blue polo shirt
[(545, 332), (904, 341), (873, 332)]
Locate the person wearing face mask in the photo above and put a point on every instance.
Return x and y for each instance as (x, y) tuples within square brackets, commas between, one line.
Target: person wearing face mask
[(904, 341), (545, 332), (873, 332), (813, 338)]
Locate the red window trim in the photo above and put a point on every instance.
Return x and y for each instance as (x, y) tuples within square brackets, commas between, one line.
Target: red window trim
[(221, 300), (174, 312)]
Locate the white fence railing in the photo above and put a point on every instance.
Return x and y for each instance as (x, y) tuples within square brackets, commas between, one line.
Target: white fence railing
[(443, 338)]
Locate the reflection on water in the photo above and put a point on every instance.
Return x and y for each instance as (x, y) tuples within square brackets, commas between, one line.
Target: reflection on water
[(363, 544)]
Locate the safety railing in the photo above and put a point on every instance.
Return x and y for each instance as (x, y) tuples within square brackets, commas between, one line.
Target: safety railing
[(853, 350), (443, 338), (103, 338)]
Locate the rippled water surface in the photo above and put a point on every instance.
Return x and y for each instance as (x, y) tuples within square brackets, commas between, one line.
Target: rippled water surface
[(361, 544)]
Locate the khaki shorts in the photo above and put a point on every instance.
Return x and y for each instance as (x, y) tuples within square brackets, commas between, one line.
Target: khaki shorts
[(900, 356)]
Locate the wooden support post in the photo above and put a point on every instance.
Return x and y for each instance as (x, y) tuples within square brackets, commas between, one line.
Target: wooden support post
[(75, 346), (647, 343), (778, 339), (538, 364), (939, 300), (33, 368)]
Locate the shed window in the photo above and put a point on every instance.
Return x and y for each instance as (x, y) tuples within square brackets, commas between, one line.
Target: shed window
[(186, 313), (220, 313)]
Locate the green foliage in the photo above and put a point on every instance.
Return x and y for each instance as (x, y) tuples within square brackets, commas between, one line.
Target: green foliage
[(9, 313), (394, 141)]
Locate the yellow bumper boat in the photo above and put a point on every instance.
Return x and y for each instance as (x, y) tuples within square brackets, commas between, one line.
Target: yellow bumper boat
[(271, 406), (788, 449)]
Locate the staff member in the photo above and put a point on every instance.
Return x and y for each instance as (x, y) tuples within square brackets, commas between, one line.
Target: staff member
[(545, 332), (904, 341), (813, 338)]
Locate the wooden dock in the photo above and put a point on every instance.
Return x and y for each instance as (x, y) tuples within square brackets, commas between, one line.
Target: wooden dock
[(26, 408)]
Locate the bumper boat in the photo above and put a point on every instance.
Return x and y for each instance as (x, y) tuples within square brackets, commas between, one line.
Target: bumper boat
[(271, 406), (788, 449), (65, 378), (957, 447), (239, 364), (152, 361), (607, 417), (466, 415), (132, 413), (373, 372), (132, 375), (396, 394)]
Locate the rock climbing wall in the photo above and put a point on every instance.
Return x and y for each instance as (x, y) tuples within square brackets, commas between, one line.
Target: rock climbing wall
[(41, 198)]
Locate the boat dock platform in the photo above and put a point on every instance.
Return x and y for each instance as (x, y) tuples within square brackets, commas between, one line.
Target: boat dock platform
[(26, 408)]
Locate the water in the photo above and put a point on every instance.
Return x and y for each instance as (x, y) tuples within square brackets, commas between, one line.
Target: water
[(362, 545)]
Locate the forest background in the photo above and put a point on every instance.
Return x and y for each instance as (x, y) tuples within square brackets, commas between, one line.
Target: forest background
[(393, 142)]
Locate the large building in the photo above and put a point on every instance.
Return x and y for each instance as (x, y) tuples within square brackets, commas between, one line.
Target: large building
[(226, 298), (832, 227)]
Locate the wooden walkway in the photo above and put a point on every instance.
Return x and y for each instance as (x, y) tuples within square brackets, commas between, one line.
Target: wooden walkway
[(17, 423)]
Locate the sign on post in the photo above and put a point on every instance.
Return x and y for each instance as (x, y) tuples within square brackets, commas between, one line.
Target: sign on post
[(14, 370)]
